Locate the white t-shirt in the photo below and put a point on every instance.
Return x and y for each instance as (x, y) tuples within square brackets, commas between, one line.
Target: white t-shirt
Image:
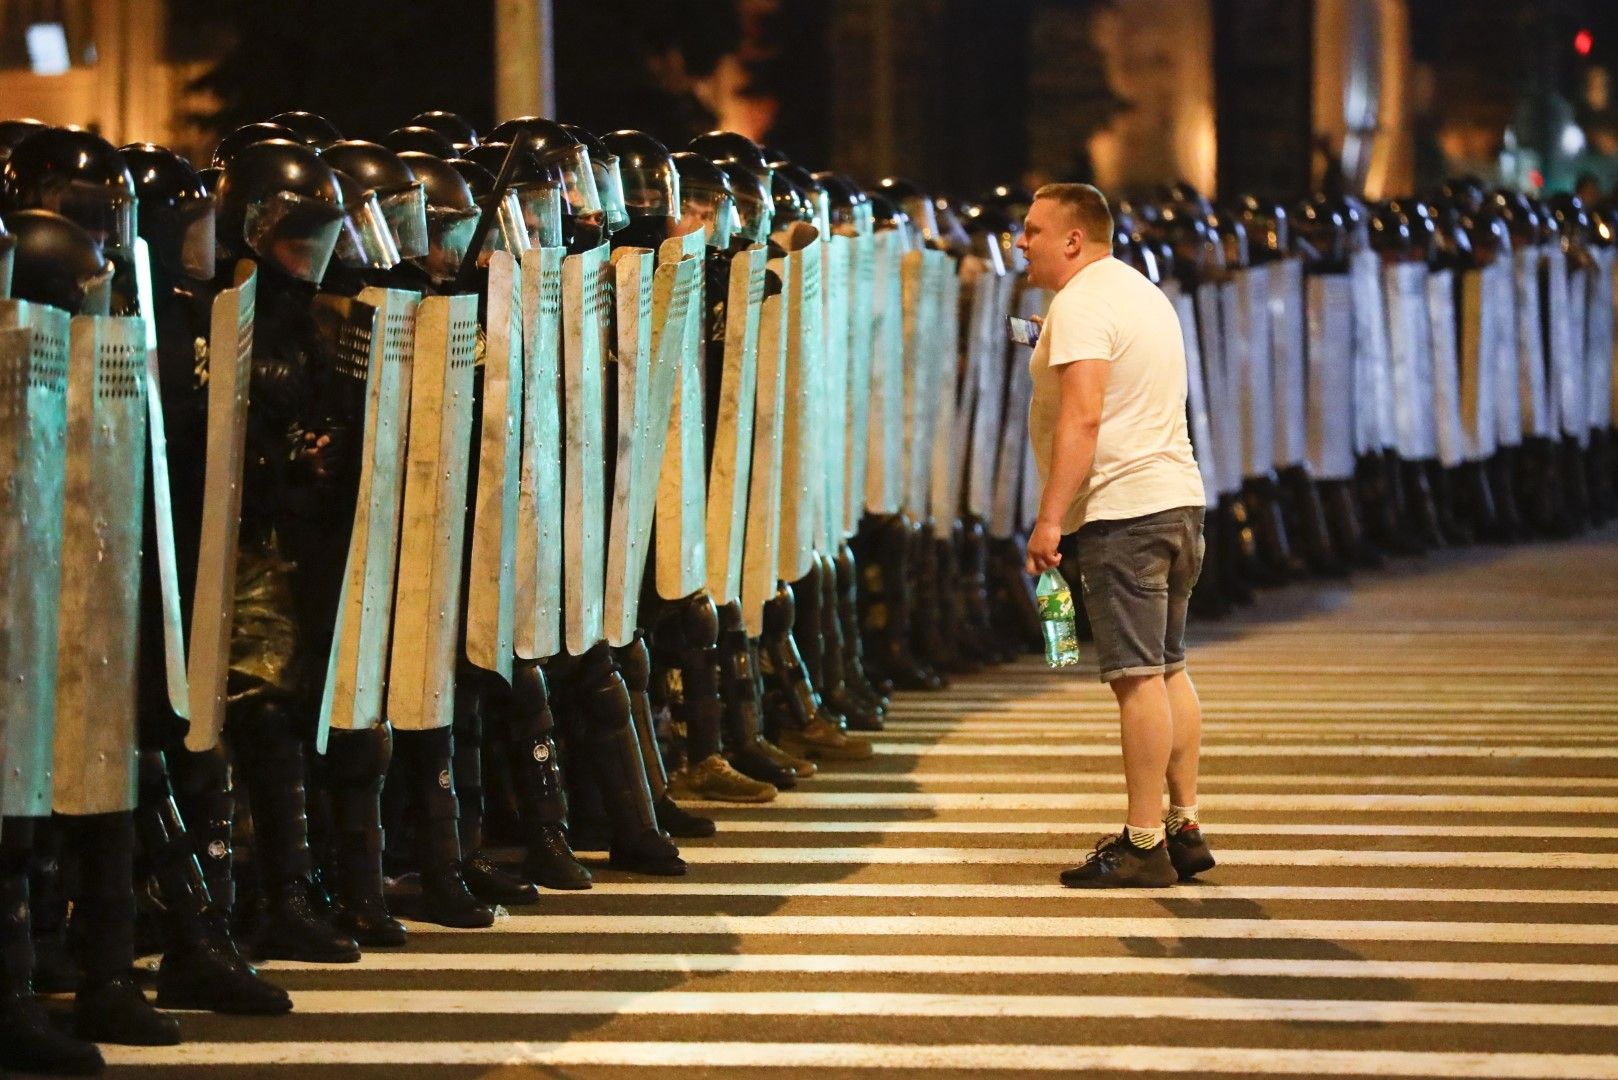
[(1143, 463)]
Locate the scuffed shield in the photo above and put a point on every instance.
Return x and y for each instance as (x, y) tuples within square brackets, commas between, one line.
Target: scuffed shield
[(1289, 388), (920, 323), (861, 346), (1599, 342), (1532, 394), (586, 298), (33, 433), (7, 258), (1476, 330), (800, 448), (230, 371), (681, 555), (102, 498), (1372, 388), (1446, 398), (956, 404), (1011, 461), (991, 309), (1253, 366), (432, 536), (762, 538), (936, 391), (1499, 304), (1196, 397), (1564, 344), (730, 471), (1216, 311), (491, 589), (538, 601), (378, 341), (885, 417), (1333, 321), (1410, 357), (838, 251)]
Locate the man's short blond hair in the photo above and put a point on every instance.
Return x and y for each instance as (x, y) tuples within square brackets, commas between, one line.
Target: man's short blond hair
[(1088, 206)]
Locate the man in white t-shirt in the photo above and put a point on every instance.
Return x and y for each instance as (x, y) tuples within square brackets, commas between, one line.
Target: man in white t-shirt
[(1108, 426)]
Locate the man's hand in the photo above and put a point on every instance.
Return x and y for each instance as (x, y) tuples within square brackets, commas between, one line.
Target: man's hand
[(315, 454), (1042, 542)]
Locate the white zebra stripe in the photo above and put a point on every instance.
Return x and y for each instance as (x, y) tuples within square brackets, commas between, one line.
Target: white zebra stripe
[(1223, 828), (975, 800)]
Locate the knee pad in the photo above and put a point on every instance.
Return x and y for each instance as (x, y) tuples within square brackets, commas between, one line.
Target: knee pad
[(360, 758), (780, 610), (531, 698), (635, 663)]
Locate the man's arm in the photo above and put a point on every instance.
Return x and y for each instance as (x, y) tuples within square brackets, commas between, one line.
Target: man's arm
[(1083, 385)]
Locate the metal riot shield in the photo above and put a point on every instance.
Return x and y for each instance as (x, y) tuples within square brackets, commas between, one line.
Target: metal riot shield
[(1499, 303), (1288, 335), (838, 251), (1532, 392), (1410, 356), (730, 472), (586, 296), (1216, 321), (168, 571), (1450, 437), (681, 554), (1564, 344), (801, 489), (1253, 366), (916, 297), (1476, 331), (760, 555), (102, 498), (989, 417), (1012, 457), (426, 605), (539, 497), (1372, 386), (491, 590), (885, 427), (957, 403), (379, 337), (33, 433), (7, 258), (1598, 344), (1333, 324), (213, 605), (1196, 397), (861, 345), (936, 403)]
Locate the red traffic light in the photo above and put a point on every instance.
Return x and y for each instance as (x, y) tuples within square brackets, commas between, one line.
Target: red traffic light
[(1583, 41)]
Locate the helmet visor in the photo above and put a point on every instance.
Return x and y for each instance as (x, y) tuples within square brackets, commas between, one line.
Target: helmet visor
[(610, 187), (406, 212), (197, 240), (450, 234), (713, 211), (578, 179), (7, 247), (754, 210), (366, 240), (923, 220), (539, 214), (107, 215), (653, 191), (295, 233), (96, 292)]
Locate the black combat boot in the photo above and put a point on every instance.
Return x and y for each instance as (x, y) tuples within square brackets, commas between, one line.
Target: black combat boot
[(1303, 507), (635, 665), (929, 641), (536, 778), (358, 762), (1261, 501), (1502, 478), (741, 701), (473, 723), (836, 689), (1011, 594), (855, 676), (885, 598), (427, 758), (806, 727)]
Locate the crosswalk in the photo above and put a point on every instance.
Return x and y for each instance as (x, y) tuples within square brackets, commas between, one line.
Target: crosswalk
[(1411, 785)]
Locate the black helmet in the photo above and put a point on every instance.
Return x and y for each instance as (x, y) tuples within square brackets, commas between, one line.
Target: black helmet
[(535, 195), (553, 146), (452, 213), (280, 201), (58, 263), (366, 242), (1266, 222), (706, 198), (508, 231), (1232, 233), (233, 142), (846, 203), (649, 180), (210, 178), (77, 174), (951, 231), (733, 148), (13, 132), (452, 126), (790, 203), (8, 244), (423, 140), (890, 216), (609, 181), (1322, 234), (381, 170), (175, 211), (1014, 199), (819, 201), (915, 202), (755, 202), (312, 129)]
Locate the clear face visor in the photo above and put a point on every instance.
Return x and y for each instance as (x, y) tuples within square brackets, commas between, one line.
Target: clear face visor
[(610, 187), (753, 216), (8, 247), (296, 233), (820, 202), (578, 181), (406, 212), (711, 210), (864, 218), (538, 210), (366, 241), (923, 220), (449, 235), (653, 192), (96, 293), (107, 215), (198, 243), (986, 247)]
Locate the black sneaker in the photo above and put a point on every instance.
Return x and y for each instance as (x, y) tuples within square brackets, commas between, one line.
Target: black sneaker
[(1189, 852), (1116, 863)]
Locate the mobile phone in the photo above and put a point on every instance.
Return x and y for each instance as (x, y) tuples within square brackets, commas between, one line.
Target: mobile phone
[(1023, 331)]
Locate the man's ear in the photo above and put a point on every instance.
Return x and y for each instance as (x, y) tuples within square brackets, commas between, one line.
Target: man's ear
[(1075, 238)]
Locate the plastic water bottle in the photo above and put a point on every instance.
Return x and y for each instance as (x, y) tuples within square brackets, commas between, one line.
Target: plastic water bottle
[(1056, 615)]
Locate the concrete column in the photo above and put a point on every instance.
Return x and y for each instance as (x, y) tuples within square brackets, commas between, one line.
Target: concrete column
[(524, 59), (1361, 92)]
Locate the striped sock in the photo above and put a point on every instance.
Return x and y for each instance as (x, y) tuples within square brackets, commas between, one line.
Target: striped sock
[(1145, 839), (1180, 817)]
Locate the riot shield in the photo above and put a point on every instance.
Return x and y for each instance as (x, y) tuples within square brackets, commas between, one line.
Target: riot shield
[(1216, 311), (920, 322), (730, 473), (885, 418), (1253, 364), (681, 555), (1532, 392), (539, 498), (993, 307), (762, 539), (1011, 460), (380, 336), (102, 498), (1410, 360), (1476, 330), (586, 294), (33, 434), (861, 345), (213, 606), (432, 537), (801, 489), (836, 524), (1372, 385), (1499, 303), (956, 386), (1333, 323), (1564, 344), (1599, 339), (936, 413), (1196, 398), (1288, 335), (491, 588), (1446, 376)]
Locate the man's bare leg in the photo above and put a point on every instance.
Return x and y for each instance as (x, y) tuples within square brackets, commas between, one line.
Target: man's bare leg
[(1148, 729), (1186, 708)]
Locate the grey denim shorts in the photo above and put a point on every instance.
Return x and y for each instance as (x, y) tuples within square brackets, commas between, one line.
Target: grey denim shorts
[(1136, 576)]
